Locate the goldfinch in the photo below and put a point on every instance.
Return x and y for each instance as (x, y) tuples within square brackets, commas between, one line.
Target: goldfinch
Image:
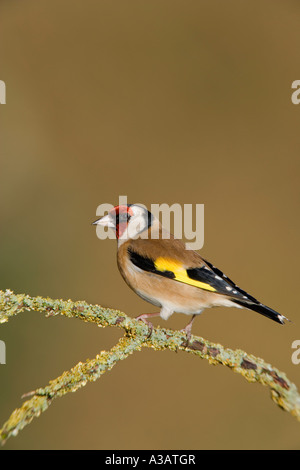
[(161, 270)]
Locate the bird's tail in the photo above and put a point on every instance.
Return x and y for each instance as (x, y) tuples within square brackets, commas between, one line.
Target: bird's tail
[(263, 310)]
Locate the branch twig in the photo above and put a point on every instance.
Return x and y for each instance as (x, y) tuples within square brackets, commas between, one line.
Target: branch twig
[(283, 392)]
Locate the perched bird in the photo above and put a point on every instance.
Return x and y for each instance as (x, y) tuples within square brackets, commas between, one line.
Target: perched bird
[(161, 270)]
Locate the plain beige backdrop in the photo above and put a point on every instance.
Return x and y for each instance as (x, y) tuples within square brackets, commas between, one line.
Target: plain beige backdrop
[(174, 102)]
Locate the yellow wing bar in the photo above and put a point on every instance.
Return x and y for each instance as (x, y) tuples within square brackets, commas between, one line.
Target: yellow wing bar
[(165, 264)]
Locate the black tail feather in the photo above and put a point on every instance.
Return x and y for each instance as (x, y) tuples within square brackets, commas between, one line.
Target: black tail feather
[(263, 310)]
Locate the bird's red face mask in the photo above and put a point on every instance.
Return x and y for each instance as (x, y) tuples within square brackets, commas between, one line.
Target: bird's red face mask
[(117, 218)]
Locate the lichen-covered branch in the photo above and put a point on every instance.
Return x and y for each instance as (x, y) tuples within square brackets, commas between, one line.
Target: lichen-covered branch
[(254, 369), (70, 381)]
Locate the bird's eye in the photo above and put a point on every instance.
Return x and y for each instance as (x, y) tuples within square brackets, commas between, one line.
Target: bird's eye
[(124, 217)]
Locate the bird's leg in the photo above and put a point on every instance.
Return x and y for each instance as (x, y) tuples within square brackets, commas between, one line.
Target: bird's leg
[(144, 316), (188, 331)]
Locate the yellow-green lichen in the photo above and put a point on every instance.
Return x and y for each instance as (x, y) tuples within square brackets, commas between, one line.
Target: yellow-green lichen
[(136, 335)]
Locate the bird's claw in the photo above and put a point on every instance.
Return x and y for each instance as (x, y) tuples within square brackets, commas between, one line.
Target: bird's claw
[(188, 333), (143, 318)]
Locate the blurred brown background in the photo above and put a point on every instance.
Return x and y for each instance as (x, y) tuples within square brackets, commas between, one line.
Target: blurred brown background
[(186, 102)]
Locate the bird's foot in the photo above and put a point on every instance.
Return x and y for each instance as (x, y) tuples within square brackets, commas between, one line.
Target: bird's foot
[(188, 331), (144, 317)]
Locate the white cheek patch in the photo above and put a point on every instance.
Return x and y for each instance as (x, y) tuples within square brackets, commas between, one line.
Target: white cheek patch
[(135, 226)]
